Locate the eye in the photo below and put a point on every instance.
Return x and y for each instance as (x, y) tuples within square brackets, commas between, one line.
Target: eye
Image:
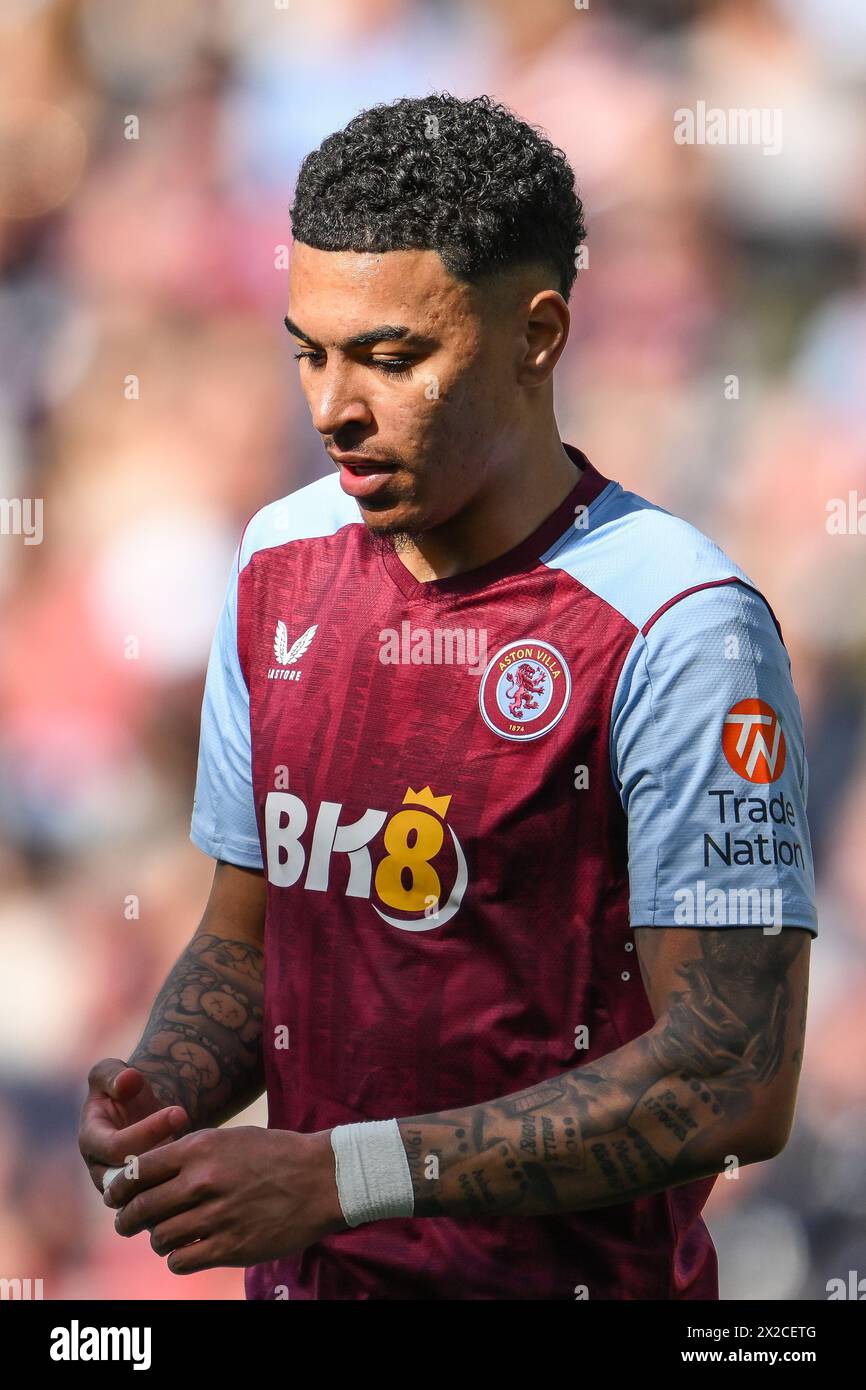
[(394, 366)]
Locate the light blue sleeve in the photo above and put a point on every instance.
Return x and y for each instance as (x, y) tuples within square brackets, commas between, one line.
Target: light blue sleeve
[(707, 844), (223, 815)]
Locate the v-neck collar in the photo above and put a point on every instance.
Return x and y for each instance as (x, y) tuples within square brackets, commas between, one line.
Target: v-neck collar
[(523, 555)]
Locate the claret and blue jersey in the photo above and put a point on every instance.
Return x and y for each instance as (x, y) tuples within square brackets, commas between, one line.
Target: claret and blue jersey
[(464, 794)]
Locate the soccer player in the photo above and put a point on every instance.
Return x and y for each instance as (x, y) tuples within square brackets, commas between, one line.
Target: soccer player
[(502, 767)]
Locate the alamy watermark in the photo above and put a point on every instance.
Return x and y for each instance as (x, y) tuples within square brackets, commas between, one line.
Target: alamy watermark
[(846, 516), (437, 646), (20, 1289), (77, 1343), (740, 125), (717, 907), (22, 516)]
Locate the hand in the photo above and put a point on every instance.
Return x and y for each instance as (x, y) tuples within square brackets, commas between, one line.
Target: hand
[(236, 1196), (121, 1116)]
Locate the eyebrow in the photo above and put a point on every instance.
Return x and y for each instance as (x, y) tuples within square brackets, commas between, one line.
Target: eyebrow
[(384, 333)]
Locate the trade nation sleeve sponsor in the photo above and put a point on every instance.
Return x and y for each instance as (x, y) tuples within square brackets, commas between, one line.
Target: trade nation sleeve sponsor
[(707, 753)]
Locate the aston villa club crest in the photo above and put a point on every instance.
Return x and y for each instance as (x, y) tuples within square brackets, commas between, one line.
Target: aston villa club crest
[(525, 690)]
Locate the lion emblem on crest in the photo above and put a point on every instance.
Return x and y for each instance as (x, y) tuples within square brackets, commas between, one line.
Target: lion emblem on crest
[(523, 684)]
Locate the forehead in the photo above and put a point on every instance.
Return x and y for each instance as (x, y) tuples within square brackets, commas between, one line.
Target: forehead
[(337, 292)]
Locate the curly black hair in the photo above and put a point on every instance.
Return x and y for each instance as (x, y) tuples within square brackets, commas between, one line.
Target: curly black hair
[(465, 178)]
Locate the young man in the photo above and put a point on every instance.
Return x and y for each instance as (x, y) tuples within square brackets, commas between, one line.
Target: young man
[(503, 771)]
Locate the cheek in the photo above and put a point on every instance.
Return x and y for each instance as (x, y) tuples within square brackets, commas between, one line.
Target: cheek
[(480, 390), (411, 413), (451, 399), (436, 408)]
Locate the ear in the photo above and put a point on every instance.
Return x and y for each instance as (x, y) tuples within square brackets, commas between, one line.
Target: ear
[(545, 333)]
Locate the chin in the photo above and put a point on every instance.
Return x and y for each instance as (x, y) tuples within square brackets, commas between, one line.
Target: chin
[(393, 533)]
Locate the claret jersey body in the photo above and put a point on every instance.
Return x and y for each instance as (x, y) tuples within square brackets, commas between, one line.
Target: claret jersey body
[(464, 795)]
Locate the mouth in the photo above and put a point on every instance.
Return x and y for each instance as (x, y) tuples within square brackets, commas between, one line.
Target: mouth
[(362, 476), (362, 464)]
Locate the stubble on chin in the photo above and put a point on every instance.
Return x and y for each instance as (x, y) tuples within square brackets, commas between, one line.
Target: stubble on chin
[(385, 541)]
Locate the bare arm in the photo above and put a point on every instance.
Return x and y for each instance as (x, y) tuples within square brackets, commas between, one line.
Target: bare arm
[(716, 1076), (199, 1060), (202, 1045)]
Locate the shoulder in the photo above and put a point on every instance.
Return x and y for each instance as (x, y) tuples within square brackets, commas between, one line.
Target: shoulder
[(643, 561), (314, 511)]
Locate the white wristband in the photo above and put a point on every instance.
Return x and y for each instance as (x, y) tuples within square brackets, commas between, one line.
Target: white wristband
[(373, 1178)]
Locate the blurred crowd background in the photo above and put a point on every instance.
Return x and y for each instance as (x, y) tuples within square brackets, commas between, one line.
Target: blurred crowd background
[(717, 365)]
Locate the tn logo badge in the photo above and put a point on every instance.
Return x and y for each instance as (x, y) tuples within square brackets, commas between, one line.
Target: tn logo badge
[(753, 742)]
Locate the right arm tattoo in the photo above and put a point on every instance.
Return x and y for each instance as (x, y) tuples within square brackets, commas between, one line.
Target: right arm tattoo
[(202, 1045)]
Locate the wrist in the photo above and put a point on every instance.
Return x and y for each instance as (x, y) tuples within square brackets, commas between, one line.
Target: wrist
[(372, 1175), (327, 1210)]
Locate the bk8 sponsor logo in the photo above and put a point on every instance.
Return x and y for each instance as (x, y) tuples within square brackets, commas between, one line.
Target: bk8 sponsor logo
[(408, 877)]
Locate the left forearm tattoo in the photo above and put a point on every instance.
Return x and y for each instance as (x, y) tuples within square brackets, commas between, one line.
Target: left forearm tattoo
[(666, 1108)]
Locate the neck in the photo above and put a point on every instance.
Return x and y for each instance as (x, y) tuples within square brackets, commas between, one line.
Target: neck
[(516, 501)]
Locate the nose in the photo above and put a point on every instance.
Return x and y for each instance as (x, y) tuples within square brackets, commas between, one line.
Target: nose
[(334, 400)]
